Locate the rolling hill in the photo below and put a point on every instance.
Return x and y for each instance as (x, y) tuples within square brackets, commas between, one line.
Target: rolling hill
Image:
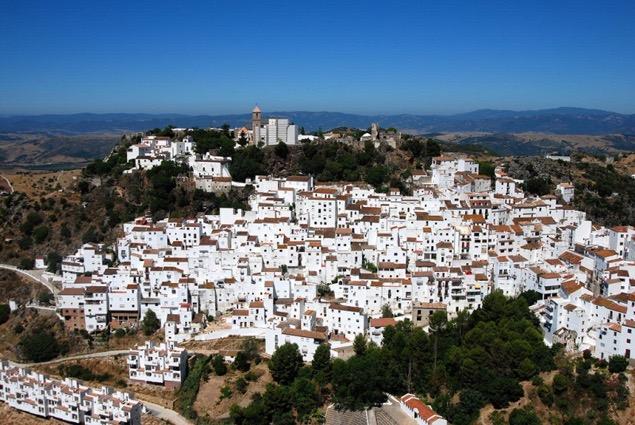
[(557, 121)]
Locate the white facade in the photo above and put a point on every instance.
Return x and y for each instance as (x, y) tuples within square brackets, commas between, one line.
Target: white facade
[(66, 400), (161, 364)]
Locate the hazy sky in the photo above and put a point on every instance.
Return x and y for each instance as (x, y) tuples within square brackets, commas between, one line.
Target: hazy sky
[(212, 57)]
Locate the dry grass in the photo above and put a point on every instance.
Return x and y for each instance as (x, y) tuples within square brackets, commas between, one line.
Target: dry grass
[(208, 401), (15, 287), (48, 184), (226, 346)]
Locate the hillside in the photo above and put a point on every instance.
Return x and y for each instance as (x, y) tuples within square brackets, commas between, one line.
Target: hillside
[(53, 151), (605, 191), (523, 144)]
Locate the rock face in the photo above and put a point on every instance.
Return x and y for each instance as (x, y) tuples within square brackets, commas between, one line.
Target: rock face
[(533, 166), (603, 189)]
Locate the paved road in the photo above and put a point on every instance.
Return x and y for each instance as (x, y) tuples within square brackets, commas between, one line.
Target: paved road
[(36, 275), (77, 357), (165, 413)]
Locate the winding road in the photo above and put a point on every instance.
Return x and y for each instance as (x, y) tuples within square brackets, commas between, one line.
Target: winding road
[(9, 185)]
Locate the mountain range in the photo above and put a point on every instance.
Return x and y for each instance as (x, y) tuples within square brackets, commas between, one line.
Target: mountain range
[(556, 121)]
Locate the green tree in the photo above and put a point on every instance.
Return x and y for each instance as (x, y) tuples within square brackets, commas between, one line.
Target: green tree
[(281, 150), (5, 312), (359, 345), (32, 219), (386, 311), (242, 362), (250, 348), (150, 323), (285, 363), (306, 397), (53, 261), (219, 366), (438, 322), (377, 176), (241, 385), (27, 263), (321, 363), (40, 233), (65, 232), (360, 381), (486, 168)]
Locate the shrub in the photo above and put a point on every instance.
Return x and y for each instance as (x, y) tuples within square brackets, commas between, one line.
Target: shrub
[(242, 362), (40, 233), (25, 243), (53, 261), (27, 263), (241, 385), (39, 346), (617, 364), (545, 394), (524, 416), (225, 392), (80, 372), (45, 297)]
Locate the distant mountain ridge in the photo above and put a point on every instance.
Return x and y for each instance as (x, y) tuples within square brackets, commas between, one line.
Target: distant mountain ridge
[(566, 120)]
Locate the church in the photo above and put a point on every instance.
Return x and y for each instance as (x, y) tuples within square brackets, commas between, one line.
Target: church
[(274, 131)]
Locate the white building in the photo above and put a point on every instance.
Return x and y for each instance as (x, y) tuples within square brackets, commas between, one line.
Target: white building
[(161, 364), (66, 400)]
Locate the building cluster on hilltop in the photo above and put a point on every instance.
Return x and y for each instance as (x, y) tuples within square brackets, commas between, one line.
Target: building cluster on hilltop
[(66, 400), (311, 263), (209, 172)]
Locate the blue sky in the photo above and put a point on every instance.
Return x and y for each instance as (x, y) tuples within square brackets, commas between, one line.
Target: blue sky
[(212, 57)]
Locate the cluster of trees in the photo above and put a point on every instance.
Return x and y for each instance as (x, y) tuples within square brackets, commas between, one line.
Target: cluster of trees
[(297, 393), (39, 345), (482, 357), (219, 142), (247, 163), (336, 161), (585, 390), (188, 391), (539, 186), (203, 366), (33, 229), (422, 151)]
